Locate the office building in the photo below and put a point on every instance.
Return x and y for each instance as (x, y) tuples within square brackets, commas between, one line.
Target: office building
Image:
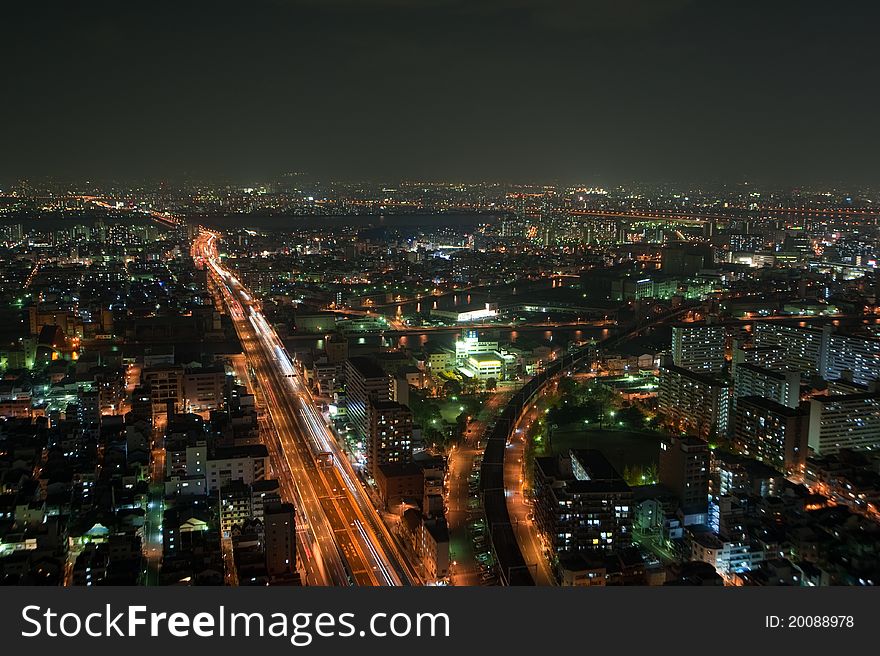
[(235, 506), (204, 388), (165, 383), (247, 463)]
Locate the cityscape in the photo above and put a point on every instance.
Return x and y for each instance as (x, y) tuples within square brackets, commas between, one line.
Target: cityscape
[(319, 294), (309, 383)]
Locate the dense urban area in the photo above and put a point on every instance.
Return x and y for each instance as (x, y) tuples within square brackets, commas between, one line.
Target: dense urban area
[(298, 382)]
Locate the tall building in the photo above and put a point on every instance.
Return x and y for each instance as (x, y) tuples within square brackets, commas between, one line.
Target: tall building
[(844, 421), (694, 403), (698, 347), (684, 469), (854, 353), (389, 435), (805, 349), (582, 503), (279, 522), (783, 387), (364, 379), (771, 432)]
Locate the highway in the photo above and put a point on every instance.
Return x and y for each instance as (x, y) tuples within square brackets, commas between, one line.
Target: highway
[(348, 543)]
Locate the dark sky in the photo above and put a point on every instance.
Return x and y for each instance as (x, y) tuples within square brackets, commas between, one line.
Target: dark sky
[(604, 91)]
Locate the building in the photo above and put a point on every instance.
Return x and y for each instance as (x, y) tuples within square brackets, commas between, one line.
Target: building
[(771, 432), (204, 388), (736, 474), (857, 354), (247, 463), (684, 469), (484, 366), (389, 435), (399, 482), (280, 531), (767, 357), (439, 359), (165, 383), (434, 548), (698, 347), (472, 343), (364, 379), (582, 503), (844, 421), (685, 259), (264, 492), (694, 403), (804, 348), (235, 506), (89, 408), (142, 404), (473, 312), (783, 387)]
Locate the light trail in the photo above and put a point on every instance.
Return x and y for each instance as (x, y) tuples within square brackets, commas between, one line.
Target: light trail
[(348, 534)]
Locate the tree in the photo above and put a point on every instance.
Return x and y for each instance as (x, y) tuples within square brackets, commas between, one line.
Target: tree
[(632, 417), (452, 387), (491, 384)]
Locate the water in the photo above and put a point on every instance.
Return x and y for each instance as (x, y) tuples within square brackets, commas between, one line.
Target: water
[(402, 221)]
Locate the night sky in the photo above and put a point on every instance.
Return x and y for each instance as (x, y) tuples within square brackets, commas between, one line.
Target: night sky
[(607, 92)]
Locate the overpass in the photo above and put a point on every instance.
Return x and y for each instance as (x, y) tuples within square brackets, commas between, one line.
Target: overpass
[(512, 565)]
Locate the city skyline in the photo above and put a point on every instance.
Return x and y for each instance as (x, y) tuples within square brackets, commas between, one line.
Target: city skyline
[(397, 293)]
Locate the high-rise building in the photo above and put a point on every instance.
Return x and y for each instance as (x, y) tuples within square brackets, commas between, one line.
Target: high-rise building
[(364, 379), (770, 432), (389, 434), (805, 349), (280, 529), (684, 469), (780, 386), (858, 354), (693, 402), (844, 421), (582, 503), (698, 346)]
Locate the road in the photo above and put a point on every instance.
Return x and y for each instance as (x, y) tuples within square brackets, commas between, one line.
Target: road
[(348, 543), (460, 499), (527, 534), (465, 569)]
